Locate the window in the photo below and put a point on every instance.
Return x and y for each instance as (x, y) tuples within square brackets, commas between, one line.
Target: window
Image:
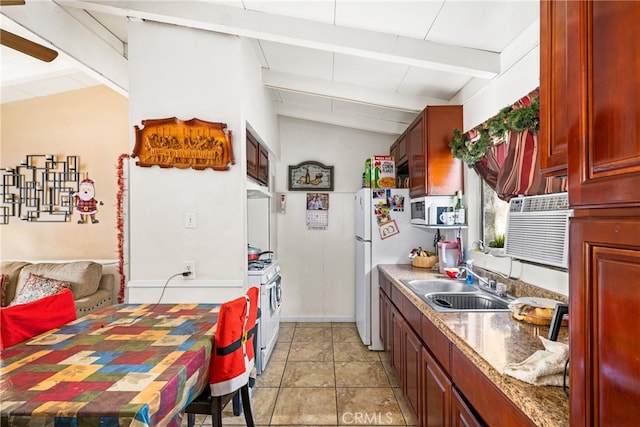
[(494, 214)]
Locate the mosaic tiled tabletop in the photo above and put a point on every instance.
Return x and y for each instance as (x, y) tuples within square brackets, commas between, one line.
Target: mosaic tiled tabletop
[(126, 365)]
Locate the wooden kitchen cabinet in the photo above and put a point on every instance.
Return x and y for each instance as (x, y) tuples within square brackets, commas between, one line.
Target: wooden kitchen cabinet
[(604, 113), (603, 116), (257, 160), (412, 370), (399, 150), (433, 171), (423, 152), (555, 25), (461, 414), (385, 322), (605, 296), (397, 351), (436, 393)]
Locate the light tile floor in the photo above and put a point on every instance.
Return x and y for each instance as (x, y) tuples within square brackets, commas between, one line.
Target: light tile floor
[(321, 374)]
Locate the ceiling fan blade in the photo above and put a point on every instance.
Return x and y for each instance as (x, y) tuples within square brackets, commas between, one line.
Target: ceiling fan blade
[(11, 2), (27, 46)]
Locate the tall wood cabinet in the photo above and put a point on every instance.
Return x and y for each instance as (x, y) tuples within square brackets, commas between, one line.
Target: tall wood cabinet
[(596, 47)]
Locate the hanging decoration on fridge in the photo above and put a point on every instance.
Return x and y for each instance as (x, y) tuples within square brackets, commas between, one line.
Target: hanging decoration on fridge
[(385, 202), (317, 211)]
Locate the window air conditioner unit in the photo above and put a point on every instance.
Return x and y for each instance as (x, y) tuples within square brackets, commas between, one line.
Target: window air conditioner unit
[(538, 229)]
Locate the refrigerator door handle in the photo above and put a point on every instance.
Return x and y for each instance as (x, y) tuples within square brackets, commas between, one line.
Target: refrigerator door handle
[(360, 239)]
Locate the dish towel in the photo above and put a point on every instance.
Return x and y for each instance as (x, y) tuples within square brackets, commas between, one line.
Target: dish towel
[(544, 367)]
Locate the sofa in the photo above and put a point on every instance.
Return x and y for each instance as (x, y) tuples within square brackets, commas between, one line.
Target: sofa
[(91, 288)]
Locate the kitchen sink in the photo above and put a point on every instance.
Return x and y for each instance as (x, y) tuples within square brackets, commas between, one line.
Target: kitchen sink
[(479, 301), (428, 286), (454, 295)]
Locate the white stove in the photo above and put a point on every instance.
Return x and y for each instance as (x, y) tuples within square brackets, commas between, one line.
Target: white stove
[(266, 275)]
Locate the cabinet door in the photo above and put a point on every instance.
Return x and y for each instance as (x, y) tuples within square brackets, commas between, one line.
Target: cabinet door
[(401, 150), (555, 23), (263, 166), (397, 341), (252, 156), (605, 296), (415, 152), (444, 174), (385, 322), (604, 139), (412, 374), (462, 415), (436, 395)]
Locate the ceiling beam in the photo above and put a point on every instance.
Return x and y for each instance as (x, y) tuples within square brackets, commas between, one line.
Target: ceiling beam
[(338, 119), (347, 92), (306, 33), (54, 25)]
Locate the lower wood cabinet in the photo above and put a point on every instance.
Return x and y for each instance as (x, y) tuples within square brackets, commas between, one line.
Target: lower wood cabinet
[(441, 385), (461, 414), (412, 373), (436, 395), (425, 384)]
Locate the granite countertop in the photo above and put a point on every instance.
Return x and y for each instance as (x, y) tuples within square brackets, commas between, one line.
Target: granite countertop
[(491, 340)]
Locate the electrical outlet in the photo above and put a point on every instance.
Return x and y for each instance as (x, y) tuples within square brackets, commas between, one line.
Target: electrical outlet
[(191, 267)]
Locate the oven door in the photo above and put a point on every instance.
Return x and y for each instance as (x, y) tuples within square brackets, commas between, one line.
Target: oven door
[(270, 306)]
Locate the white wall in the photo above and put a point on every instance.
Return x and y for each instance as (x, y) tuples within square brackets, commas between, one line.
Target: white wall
[(171, 75), (318, 266)]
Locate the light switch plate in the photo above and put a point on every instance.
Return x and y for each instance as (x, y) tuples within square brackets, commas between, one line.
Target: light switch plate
[(190, 220)]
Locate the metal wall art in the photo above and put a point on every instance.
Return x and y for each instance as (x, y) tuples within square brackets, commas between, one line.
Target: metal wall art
[(40, 189), (195, 144)]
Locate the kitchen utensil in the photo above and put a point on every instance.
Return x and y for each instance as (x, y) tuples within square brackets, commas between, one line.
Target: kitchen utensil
[(254, 254)]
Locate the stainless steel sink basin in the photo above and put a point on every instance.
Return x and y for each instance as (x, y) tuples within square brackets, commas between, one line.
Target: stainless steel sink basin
[(480, 301), (428, 286), (454, 295)]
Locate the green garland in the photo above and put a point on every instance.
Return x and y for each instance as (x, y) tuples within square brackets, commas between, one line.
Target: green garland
[(497, 128)]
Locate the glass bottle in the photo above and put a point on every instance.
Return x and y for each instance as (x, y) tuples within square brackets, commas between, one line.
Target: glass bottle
[(460, 211)]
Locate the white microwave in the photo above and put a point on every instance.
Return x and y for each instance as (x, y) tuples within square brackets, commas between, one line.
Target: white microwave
[(426, 210)]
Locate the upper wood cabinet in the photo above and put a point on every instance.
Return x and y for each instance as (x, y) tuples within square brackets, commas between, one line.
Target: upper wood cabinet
[(554, 80), (603, 103), (433, 171), (257, 160), (399, 150)]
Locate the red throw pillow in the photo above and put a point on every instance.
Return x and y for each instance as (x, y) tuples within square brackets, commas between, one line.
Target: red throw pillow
[(23, 321)]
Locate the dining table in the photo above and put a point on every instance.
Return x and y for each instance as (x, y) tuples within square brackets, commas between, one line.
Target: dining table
[(124, 365)]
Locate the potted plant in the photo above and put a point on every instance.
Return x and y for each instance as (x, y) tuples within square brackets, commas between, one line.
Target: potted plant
[(496, 246)]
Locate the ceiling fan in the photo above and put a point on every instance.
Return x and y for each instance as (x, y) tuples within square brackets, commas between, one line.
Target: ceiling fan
[(23, 45)]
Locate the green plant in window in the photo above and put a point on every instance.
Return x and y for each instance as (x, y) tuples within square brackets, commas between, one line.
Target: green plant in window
[(498, 242)]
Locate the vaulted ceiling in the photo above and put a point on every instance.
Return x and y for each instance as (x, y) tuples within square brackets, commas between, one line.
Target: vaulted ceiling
[(364, 64)]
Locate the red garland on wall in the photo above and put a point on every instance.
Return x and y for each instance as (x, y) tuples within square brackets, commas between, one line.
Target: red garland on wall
[(120, 224)]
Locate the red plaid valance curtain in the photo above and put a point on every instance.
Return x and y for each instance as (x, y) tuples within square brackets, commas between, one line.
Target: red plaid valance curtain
[(512, 167)]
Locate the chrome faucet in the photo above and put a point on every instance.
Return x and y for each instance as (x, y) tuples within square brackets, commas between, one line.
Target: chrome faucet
[(488, 283)]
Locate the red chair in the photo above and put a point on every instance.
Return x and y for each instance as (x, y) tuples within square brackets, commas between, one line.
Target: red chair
[(232, 360), (23, 321)]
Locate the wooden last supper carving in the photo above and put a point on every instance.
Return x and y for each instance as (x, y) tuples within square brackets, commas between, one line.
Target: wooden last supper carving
[(181, 144)]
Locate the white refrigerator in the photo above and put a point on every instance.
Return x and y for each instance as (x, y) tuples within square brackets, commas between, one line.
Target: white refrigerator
[(384, 235)]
